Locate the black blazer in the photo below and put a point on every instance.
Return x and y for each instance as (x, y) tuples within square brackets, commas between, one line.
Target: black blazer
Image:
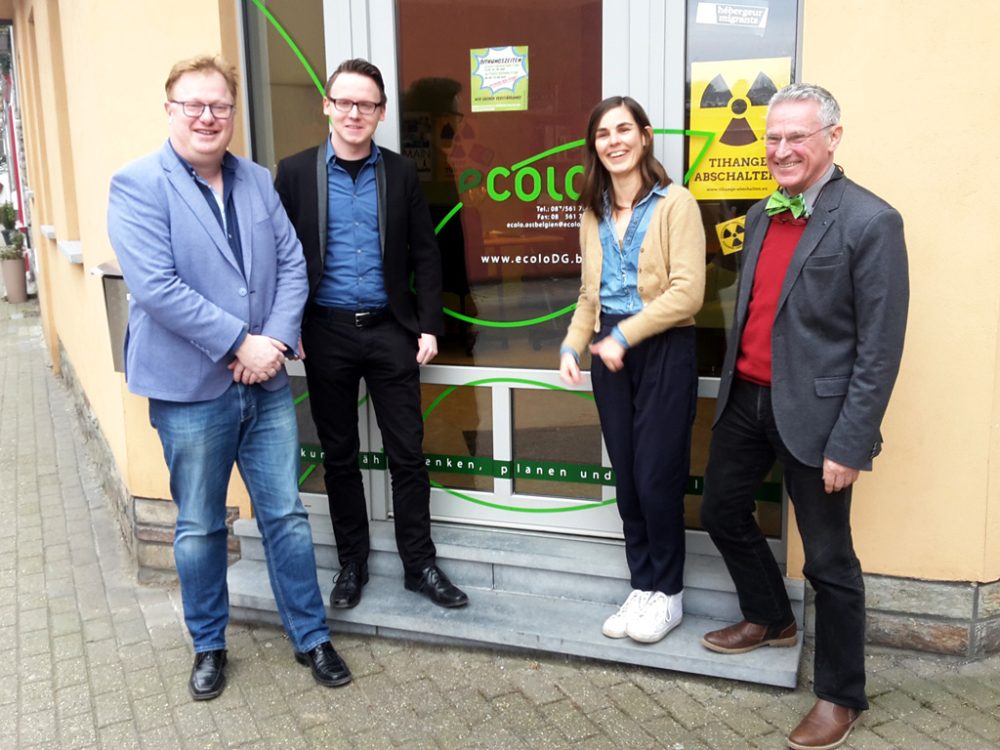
[(837, 337), (409, 246)]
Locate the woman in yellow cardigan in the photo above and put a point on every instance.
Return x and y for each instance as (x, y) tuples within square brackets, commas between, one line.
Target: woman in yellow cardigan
[(643, 279)]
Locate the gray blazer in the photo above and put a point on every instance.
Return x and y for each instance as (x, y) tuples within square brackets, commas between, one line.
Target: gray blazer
[(838, 329)]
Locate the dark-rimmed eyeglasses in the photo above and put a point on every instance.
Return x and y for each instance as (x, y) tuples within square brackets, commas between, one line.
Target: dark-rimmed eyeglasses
[(773, 139), (346, 105), (197, 109)]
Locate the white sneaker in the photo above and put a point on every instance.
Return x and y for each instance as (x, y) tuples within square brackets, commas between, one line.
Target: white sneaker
[(616, 626), (659, 616)]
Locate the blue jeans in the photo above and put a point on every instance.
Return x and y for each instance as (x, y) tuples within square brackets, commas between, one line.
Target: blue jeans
[(256, 429)]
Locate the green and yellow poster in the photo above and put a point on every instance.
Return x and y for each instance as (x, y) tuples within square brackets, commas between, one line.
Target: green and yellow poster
[(729, 98), (499, 78)]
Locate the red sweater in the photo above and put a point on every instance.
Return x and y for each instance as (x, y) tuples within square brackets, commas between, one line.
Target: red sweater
[(754, 360)]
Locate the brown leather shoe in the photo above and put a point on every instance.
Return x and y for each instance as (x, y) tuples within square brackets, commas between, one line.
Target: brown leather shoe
[(746, 636), (825, 727)]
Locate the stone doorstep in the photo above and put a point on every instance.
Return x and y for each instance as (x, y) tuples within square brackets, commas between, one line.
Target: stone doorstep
[(530, 552), (564, 567), (500, 619)]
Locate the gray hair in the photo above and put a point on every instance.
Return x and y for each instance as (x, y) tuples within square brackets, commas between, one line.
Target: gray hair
[(829, 110)]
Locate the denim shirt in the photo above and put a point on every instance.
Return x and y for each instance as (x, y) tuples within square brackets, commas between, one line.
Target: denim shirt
[(620, 262), (352, 270)]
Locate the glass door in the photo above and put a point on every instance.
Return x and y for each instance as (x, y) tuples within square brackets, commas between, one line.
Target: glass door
[(492, 106), (491, 101)]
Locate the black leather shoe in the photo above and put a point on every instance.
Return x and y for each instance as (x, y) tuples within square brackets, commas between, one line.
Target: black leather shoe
[(433, 583), (327, 667), (207, 678), (348, 584)]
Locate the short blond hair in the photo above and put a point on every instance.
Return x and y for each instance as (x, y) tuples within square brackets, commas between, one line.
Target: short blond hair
[(204, 64)]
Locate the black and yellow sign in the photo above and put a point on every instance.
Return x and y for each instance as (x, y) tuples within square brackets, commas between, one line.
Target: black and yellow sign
[(729, 98), (731, 234)]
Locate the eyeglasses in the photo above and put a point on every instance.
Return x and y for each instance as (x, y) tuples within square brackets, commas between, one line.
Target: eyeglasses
[(346, 105), (197, 109), (796, 139)]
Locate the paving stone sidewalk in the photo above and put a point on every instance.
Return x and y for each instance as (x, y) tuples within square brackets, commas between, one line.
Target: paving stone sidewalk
[(91, 659)]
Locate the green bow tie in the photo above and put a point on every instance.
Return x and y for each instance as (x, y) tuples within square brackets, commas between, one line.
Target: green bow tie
[(779, 202)]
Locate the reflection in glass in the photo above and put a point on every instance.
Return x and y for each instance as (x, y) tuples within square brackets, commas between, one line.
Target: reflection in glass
[(460, 426), (557, 435), (310, 465), (510, 253), (286, 106)]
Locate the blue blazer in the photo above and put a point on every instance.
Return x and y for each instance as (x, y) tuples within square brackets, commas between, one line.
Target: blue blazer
[(189, 301)]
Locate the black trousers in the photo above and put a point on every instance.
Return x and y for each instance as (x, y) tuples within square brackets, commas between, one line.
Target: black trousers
[(647, 412), (338, 355), (745, 445)]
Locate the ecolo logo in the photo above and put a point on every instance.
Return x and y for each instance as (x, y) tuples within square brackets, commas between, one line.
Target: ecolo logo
[(527, 183)]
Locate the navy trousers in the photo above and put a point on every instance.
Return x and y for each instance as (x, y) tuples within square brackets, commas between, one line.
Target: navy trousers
[(745, 445), (647, 412)]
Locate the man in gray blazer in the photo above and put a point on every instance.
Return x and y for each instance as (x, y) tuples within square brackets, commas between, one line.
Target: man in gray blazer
[(218, 284), (812, 359)]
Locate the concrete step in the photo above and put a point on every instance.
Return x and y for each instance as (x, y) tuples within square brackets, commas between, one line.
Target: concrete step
[(534, 591), (542, 565), (515, 620)]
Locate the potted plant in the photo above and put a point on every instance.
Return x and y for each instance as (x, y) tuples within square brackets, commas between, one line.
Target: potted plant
[(12, 260), (8, 220)]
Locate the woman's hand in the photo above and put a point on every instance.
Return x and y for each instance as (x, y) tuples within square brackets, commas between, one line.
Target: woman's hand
[(569, 370), (612, 353)]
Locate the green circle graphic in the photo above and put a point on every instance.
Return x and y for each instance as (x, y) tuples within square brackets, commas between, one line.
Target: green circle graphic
[(498, 506), (709, 137)]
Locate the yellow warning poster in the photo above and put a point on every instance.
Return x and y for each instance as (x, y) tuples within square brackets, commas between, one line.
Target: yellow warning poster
[(729, 98)]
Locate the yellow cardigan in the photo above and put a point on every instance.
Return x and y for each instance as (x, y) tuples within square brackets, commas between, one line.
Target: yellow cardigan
[(671, 277)]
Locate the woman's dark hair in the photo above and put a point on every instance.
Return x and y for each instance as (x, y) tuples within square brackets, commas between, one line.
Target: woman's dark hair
[(596, 180)]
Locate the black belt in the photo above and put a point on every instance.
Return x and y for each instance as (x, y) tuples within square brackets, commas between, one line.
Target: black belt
[(356, 318)]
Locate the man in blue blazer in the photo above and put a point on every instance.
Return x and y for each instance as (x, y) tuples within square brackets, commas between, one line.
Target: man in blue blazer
[(217, 285), (812, 359), (366, 231)]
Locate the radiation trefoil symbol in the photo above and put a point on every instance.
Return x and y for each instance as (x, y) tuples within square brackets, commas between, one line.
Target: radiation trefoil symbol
[(718, 94), (731, 235)]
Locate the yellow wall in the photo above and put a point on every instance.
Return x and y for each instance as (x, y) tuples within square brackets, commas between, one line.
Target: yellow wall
[(919, 115), (92, 89)]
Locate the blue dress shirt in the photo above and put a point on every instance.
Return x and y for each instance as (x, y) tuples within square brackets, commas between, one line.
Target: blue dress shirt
[(352, 271)]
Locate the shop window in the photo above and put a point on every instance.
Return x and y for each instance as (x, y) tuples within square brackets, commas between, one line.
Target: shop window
[(286, 105)]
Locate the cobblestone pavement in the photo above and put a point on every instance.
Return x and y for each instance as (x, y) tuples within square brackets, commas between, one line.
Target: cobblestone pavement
[(91, 659)]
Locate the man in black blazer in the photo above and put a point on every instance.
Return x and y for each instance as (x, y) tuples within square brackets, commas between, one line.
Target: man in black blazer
[(812, 359), (365, 229)]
